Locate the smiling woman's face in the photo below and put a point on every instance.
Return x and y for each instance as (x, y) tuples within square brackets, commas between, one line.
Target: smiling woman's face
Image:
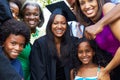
[(31, 16), (59, 25), (89, 8)]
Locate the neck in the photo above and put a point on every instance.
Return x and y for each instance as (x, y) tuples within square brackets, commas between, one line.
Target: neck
[(33, 30), (57, 40), (88, 65), (96, 18)]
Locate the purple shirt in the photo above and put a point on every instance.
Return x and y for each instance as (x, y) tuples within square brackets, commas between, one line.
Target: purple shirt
[(107, 41)]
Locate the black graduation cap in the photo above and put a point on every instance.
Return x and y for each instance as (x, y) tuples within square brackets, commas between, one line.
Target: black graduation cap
[(64, 7)]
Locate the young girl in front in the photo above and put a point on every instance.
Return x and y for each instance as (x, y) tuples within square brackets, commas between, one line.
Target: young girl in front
[(86, 63)]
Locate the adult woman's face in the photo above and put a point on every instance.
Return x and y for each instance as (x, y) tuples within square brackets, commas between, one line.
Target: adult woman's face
[(59, 26), (31, 16), (89, 8)]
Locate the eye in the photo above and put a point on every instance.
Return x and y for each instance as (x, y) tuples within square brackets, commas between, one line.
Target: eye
[(27, 14), (64, 23), (13, 43), (87, 51), (82, 2), (22, 45), (80, 52), (36, 14), (90, 0), (55, 23)]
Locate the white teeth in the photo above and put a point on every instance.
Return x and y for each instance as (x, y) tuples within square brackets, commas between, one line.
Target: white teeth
[(31, 22), (59, 31), (85, 59), (89, 11)]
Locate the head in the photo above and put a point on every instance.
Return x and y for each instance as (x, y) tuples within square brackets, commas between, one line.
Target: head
[(57, 26), (86, 51), (32, 14), (14, 35), (15, 6), (89, 11)]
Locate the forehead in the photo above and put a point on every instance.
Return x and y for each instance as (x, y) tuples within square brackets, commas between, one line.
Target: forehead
[(18, 38), (59, 16), (84, 44), (87, 0), (31, 8)]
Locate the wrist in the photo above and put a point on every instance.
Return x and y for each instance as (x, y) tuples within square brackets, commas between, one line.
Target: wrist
[(106, 70)]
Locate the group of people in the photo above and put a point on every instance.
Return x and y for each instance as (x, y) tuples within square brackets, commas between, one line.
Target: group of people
[(28, 53)]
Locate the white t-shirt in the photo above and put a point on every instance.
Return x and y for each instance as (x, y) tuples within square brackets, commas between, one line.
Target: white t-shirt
[(115, 1)]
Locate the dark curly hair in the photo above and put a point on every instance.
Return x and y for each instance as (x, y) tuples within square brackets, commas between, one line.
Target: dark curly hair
[(100, 58), (13, 26)]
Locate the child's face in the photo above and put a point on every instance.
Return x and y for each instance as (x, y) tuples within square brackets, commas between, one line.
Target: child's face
[(85, 53), (15, 10), (13, 45)]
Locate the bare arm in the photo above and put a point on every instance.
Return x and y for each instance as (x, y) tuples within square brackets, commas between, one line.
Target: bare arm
[(113, 64), (71, 75), (110, 16)]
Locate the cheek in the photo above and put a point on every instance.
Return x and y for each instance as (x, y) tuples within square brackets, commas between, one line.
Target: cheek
[(79, 56), (81, 7)]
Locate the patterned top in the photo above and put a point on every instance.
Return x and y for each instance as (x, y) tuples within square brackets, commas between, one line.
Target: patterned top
[(88, 78)]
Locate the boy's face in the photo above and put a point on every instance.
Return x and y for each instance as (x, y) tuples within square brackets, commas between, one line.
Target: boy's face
[(13, 45)]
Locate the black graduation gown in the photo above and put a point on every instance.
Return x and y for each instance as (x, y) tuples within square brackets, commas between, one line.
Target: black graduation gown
[(42, 65)]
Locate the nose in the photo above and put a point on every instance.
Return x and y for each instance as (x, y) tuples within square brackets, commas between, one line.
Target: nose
[(17, 47), (87, 5), (31, 17), (59, 25), (84, 54)]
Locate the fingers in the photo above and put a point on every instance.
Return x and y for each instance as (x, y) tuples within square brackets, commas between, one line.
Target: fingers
[(89, 36)]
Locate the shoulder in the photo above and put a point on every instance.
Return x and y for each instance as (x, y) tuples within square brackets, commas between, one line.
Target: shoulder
[(72, 74), (41, 39), (40, 42), (107, 7)]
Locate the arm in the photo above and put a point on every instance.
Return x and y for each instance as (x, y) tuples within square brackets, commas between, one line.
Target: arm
[(37, 62), (115, 24), (113, 64), (71, 75), (106, 76), (108, 18)]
